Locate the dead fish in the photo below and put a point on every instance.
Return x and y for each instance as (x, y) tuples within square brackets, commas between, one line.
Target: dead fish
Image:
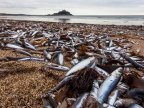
[(47, 55), (61, 83), (110, 43), (74, 61), (93, 65), (14, 36), (28, 45), (137, 65), (115, 55), (136, 58), (81, 65), (108, 85), (140, 62), (23, 52), (105, 105), (57, 67), (95, 88), (113, 96), (31, 59), (57, 43), (80, 101), (101, 72), (35, 32), (18, 41), (14, 46), (2, 45), (111, 48), (94, 54), (60, 59), (90, 47)]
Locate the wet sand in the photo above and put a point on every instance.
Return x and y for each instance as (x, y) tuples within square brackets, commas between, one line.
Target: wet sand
[(26, 81)]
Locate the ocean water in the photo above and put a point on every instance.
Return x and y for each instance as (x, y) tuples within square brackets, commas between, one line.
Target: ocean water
[(100, 19)]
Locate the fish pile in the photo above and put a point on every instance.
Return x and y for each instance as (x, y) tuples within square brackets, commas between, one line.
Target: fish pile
[(116, 85), (102, 69)]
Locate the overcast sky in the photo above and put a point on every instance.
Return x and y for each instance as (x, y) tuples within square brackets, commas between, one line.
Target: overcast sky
[(76, 7)]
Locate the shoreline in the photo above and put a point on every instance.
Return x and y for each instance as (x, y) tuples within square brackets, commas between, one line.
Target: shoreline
[(102, 20), (64, 23)]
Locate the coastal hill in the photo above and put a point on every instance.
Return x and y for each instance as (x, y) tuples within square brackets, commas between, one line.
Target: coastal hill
[(63, 12), (7, 14)]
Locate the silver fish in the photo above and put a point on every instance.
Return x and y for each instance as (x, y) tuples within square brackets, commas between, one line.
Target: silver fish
[(108, 85), (105, 105), (34, 33), (17, 40), (110, 43), (23, 52), (81, 65), (80, 101), (93, 65), (74, 61), (134, 63), (31, 59), (60, 59), (95, 89), (94, 54), (136, 58), (47, 55), (14, 46), (111, 48), (101, 72), (112, 98), (29, 45), (115, 55), (57, 67), (62, 83)]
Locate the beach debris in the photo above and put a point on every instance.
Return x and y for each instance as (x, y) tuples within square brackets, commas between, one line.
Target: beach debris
[(99, 71)]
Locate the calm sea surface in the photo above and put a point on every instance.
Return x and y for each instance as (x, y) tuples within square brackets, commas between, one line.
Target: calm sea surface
[(116, 20)]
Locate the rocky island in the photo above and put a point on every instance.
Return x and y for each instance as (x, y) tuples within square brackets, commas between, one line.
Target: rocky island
[(63, 12)]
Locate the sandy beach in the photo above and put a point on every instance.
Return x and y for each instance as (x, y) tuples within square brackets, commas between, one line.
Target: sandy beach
[(24, 82)]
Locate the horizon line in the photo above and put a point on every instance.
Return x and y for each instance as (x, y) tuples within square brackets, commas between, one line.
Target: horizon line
[(70, 15)]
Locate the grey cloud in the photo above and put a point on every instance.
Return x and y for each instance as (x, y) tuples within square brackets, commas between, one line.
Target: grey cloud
[(66, 3), (81, 5)]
